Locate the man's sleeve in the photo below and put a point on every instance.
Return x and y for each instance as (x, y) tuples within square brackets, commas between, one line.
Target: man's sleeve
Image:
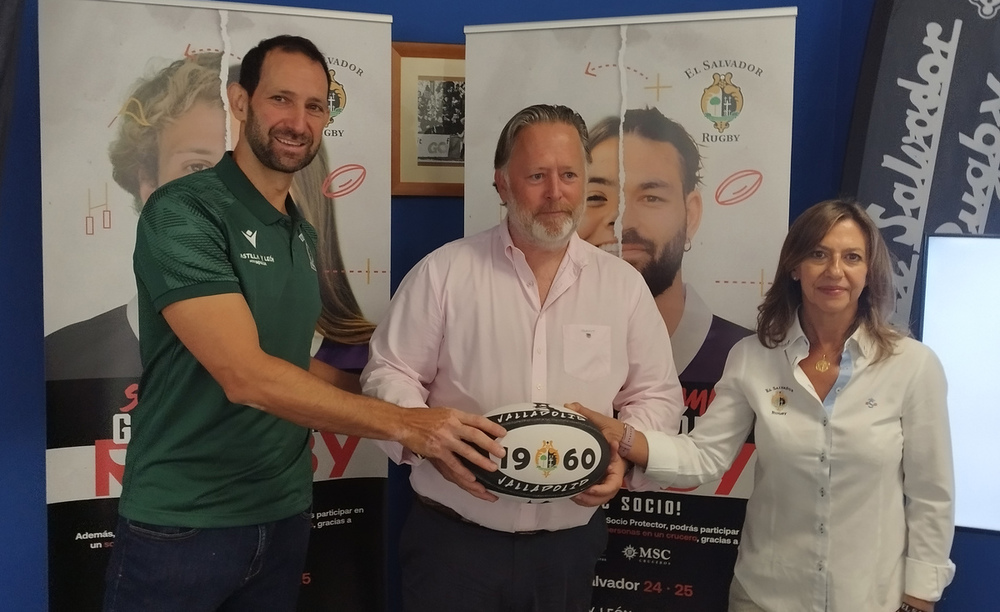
[(181, 251), (404, 348), (651, 398)]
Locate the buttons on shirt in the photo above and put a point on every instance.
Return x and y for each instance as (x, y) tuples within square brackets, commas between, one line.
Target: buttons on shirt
[(822, 492), (822, 529), (539, 387), (822, 457), (825, 421), (821, 566), (839, 389)]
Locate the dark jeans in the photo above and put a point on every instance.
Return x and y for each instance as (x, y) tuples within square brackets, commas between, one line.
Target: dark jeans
[(180, 569), (448, 564)]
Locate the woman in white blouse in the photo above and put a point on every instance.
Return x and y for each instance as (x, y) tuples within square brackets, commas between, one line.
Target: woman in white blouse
[(852, 507)]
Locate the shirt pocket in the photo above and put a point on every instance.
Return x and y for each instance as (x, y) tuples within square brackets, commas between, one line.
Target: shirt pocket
[(587, 351)]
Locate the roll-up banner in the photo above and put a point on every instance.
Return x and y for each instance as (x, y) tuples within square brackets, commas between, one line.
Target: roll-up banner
[(132, 96), (924, 153), (710, 92)]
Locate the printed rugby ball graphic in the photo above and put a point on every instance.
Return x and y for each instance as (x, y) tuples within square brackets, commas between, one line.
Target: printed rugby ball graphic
[(551, 453)]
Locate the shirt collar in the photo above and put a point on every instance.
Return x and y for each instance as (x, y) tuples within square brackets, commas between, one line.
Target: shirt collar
[(236, 181), (579, 254), (796, 345)]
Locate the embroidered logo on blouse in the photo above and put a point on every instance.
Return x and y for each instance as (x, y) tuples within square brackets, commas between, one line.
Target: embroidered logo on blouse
[(778, 401), (871, 403)]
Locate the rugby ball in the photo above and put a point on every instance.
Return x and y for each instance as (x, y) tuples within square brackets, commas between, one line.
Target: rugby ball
[(551, 454), (738, 187), (344, 180)]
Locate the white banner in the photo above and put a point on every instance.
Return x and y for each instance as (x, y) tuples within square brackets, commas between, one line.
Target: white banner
[(132, 96), (602, 67), (91, 55), (708, 90)]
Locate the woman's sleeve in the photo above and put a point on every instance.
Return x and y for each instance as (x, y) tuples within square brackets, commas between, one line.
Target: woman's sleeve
[(707, 452), (928, 481)]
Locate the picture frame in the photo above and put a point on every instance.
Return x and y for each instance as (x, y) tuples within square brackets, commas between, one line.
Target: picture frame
[(428, 119)]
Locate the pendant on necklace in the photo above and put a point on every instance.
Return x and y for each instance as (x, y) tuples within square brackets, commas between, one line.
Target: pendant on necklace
[(822, 365)]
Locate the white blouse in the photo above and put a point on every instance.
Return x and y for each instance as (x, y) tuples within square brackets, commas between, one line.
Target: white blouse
[(853, 501)]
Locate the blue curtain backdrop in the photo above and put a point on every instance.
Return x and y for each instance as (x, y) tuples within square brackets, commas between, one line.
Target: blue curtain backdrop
[(830, 37)]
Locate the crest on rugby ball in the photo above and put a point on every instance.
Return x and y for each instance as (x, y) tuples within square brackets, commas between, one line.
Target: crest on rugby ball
[(547, 458)]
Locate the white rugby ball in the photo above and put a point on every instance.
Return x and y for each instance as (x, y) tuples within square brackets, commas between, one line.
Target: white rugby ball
[(551, 453)]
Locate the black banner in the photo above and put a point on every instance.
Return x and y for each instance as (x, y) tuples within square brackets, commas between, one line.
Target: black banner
[(924, 152), (670, 548), (88, 432)]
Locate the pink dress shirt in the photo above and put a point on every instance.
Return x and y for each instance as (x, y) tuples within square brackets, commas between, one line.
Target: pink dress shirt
[(466, 330)]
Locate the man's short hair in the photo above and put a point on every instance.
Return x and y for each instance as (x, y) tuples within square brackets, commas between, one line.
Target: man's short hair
[(651, 124), (538, 113), (153, 103), (254, 59)]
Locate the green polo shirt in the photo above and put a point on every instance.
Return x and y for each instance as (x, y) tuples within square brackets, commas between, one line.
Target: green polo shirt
[(195, 459)]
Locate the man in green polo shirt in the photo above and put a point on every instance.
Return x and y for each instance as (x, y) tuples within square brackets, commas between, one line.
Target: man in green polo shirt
[(217, 488)]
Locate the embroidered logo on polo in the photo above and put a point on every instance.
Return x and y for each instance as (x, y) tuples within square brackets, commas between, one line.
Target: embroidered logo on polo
[(305, 245), (254, 258), (251, 237)]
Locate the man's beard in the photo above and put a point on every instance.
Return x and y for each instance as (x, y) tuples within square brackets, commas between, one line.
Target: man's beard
[(260, 145), (537, 232), (660, 272)]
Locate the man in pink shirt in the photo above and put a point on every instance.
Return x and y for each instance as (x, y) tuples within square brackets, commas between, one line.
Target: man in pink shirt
[(523, 312)]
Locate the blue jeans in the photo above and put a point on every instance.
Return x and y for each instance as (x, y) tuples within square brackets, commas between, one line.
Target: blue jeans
[(180, 569)]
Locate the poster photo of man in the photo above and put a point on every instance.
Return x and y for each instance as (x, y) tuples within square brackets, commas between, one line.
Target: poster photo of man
[(689, 122)]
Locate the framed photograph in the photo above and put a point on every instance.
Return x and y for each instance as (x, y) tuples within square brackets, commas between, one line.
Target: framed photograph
[(428, 119)]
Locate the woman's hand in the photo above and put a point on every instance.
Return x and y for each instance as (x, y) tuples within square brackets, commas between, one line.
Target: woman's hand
[(614, 431), (612, 428)]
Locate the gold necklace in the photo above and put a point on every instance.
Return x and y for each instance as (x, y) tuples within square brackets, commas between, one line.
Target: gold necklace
[(822, 365)]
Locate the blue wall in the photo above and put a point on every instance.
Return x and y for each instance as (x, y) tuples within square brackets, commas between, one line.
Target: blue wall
[(22, 391), (830, 38)]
